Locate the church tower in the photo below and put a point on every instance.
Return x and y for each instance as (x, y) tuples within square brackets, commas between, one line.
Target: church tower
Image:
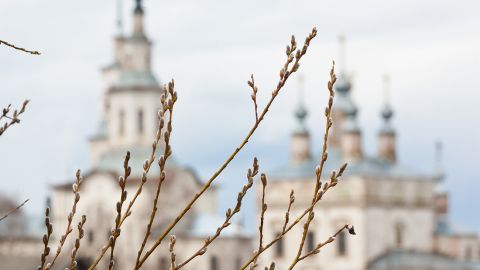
[(131, 92), (300, 142), (343, 103), (386, 135)]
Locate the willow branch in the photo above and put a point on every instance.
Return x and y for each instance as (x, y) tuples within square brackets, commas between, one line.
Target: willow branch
[(71, 215), (319, 169), (167, 107), (262, 218), (19, 48), (285, 73), (14, 210), (46, 239), (287, 213), (14, 118), (331, 239), (81, 233), (122, 182)]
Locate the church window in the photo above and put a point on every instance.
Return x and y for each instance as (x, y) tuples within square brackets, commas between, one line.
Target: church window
[(140, 121), (341, 244), (399, 235), (310, 241), (279, 246), (121, 119), (213, 263)]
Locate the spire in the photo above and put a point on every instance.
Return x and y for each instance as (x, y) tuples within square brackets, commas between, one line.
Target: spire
[(343, 85), (138, 19), (386, 136), (138, 7), (351, 137), (301, 112), (300, 142), (387, 112), (119, 18), (439, 173)]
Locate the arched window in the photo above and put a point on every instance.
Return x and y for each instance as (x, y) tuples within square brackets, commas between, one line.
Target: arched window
[(310, 241), (341, 244), (164, 264), (140, 121), (279, 246), (121, 122), (213, 263), (399, 235)]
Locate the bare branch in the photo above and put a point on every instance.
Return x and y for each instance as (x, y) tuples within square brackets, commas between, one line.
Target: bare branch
[(13, 210), (81, 233), (285, 73), (13, 119), (19, 48)]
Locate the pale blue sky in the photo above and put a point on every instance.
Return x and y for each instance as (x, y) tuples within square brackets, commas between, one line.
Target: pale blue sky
[(429, 48)]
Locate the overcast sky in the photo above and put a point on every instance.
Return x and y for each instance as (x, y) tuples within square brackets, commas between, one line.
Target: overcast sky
[(429, 48)]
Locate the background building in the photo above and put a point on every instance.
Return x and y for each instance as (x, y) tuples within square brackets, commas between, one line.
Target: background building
[(400, 214)]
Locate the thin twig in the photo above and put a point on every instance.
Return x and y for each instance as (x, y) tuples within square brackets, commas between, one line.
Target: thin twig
[(173, 256), (19, 48), (262, 218), (331, 239), (14, 119), (285, 73), (46, 239), (229, 214), (319, 169), (167, 152), (81, 233), (14, 209), (71, 215), (122, 182), (252, 85), (287, 213)]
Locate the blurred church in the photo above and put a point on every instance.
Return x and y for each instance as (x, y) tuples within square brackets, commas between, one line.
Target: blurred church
[(400, 214)]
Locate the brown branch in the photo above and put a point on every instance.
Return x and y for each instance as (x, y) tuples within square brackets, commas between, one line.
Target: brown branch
[(285, 73), (81, 233), (13, 210), (262, 218), (167, 107), (251, 173), (173, 256), (46, 240), (19, 48), (331, 239), (122, 181), (71, 215), (287, 213), (252, 85), (319, 169), (14, 119)]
